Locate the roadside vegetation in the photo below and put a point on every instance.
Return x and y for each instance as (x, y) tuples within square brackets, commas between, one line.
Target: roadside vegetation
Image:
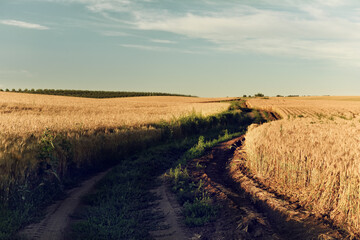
[(198, 206)]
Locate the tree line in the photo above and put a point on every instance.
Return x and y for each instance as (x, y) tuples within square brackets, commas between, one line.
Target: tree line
[(90, 94)]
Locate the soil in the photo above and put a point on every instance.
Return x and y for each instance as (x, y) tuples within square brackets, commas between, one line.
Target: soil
[(57, 218), (172, 224)]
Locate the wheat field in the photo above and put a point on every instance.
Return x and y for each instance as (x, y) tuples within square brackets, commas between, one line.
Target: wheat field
[(312, 155), (348, 107), (42, 137), (24, 114)]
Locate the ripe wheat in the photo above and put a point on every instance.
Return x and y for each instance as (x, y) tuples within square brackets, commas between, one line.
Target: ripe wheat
[(314, 158), (79, 132)]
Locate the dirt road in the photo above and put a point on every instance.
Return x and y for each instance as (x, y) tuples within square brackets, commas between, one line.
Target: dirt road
[(248, 210), (57, 218)]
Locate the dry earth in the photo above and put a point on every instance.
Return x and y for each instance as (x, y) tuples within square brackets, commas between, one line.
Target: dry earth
[(57, 218)]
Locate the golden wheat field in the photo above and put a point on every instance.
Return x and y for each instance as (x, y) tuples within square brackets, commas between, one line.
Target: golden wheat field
[(43, 136), (348, 107), (311, 155), (23, 114)]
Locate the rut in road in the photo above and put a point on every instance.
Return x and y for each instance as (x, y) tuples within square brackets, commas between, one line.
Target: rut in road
[(248, 211), (57, 218)]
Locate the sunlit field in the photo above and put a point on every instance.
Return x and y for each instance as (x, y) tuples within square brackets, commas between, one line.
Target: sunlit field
[(42, 137), (312, 155), (348, 107), (24, 114)]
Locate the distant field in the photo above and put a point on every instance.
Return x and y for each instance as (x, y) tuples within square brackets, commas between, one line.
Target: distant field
[(312, 155), (310, 106), (24, 114)]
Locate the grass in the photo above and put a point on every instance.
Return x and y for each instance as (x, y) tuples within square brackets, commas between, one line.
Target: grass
[(198, 207)]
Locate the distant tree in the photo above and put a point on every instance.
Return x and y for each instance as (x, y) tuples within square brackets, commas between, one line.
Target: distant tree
[(244, 95), (19, 90), (26, 90), (279, 96), (13, 90), (7, 90), (259, 95), (98, 94), (1, 90)]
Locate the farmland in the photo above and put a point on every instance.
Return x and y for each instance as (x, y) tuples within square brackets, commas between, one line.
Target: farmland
[(34, 113), (51, 142), (312, 155)]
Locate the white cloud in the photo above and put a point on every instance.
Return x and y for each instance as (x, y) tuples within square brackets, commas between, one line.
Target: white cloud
[(160, 49), (115, 34), (162, 41), (23, 24), (144, 47), (312, 29), (313, 34)]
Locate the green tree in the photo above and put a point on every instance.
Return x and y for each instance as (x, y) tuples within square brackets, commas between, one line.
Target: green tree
[(259, 95)]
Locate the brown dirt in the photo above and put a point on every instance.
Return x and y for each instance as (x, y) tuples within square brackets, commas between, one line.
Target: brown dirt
[(248, 210), (56, 221), (170, 208)]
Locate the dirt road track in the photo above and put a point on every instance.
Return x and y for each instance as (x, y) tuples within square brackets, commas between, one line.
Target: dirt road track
[(248, 211), (57, 218), (168, 205)]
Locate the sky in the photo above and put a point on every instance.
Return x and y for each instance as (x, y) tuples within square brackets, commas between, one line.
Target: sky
[(207, 48)]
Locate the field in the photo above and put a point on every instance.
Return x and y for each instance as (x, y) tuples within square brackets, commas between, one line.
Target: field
[(49, 143), (345, 107), (312, 155), (64, 131), (26, 114)]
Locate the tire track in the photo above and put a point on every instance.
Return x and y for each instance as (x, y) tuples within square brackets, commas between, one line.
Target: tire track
[(57, 218)]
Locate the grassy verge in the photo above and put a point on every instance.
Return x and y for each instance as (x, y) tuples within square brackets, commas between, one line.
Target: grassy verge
[(198, 207)]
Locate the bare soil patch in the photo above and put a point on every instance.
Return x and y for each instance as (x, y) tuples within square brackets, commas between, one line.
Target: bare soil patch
[(58, 215)]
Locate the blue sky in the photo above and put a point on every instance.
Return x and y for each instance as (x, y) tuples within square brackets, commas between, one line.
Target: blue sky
[(206, 48)]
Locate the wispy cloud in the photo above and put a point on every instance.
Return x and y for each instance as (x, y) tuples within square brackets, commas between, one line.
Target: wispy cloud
[(115, 34), (162, 41), (144, 47), (312, 29), (160, 49), (22, 24)]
